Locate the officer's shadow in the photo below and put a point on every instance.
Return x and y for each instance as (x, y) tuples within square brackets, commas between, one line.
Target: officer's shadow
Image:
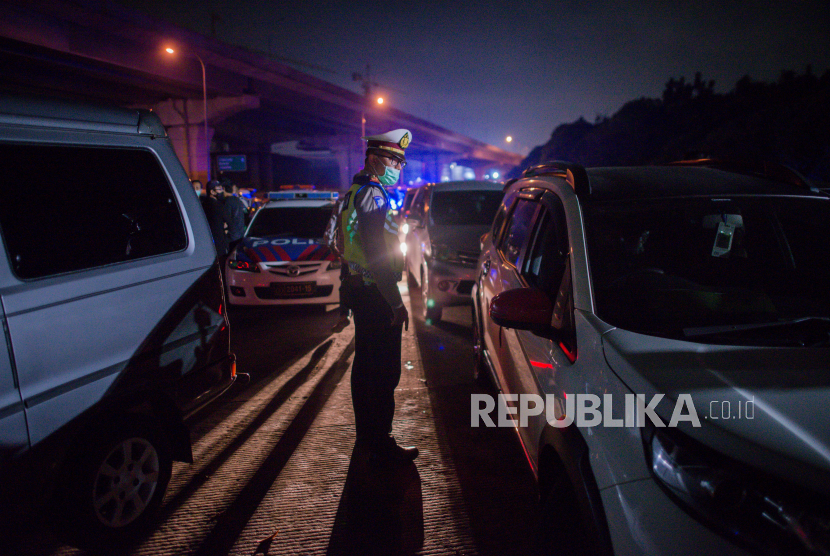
[(381, 511)]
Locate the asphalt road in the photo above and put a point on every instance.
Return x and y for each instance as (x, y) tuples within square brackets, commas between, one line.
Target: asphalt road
[(274, 471)]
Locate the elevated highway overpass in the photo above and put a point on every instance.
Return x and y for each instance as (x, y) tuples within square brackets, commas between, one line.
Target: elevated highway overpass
[(291, 127)]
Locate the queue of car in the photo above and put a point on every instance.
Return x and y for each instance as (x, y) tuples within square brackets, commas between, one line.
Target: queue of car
[(676, 318)]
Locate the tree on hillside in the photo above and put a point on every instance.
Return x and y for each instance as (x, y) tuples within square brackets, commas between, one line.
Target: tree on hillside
[(787, 121)]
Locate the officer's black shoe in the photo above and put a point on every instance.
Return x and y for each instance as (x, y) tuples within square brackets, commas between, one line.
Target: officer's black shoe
[(391, 453)]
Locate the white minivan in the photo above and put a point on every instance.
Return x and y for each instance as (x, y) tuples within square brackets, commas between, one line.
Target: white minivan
[(114, 318), (445, 224)]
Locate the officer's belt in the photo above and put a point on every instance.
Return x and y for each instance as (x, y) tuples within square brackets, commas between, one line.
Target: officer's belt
[(356, 269)]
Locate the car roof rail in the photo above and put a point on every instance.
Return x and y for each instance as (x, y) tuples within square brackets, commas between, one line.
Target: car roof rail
[(573, 173), (770, 170)]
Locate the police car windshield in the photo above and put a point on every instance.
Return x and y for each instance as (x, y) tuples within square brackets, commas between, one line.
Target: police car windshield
[(664, 266), (305, 222), (464, 208)]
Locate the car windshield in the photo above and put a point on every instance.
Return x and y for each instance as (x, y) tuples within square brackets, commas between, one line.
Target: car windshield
[(731, 270), (305, 222), (460, 208)]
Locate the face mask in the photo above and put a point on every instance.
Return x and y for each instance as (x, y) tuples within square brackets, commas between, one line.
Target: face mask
[(390, 176)]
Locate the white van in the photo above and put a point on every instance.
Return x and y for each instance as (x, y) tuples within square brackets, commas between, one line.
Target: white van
[(114, 318)]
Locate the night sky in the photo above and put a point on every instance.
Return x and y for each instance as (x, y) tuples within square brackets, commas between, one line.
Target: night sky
[(492, 69)]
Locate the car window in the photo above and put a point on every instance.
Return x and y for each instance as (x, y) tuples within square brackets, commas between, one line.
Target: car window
[(501, 215), (464, 208), (407, 200), (418, 203), (72, 208), (518, 228), (303, 222), (666, 266), (548, 251)]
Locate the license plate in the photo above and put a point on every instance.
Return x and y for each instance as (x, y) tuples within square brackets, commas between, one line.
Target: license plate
[(293, 288)]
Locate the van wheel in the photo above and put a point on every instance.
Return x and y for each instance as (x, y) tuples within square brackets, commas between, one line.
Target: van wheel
[(432, 310), (119, 484)]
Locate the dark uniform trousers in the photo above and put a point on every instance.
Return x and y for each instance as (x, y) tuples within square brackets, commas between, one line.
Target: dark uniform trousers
[(376, 369)]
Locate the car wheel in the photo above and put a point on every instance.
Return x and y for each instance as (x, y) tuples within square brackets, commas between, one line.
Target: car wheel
[(480, 372), (432, 310), (117, 485), (561, 530)]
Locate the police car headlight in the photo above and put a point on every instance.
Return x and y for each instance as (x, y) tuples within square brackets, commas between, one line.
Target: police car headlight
[(243, 265), (237, 264), (334, 265), (746, 506)]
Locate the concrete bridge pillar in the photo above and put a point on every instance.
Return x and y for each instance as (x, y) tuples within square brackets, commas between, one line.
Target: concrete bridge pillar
[(185, 123)]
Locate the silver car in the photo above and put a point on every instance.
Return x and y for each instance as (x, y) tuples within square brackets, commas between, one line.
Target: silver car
[(446, 222), (660, 339)]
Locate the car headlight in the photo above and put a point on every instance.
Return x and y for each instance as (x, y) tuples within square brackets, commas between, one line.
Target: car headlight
[(334, 265), (443, 253), (745, 506), (243, 265)]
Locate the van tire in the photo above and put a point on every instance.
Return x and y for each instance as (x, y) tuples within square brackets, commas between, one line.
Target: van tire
[(115, 487)]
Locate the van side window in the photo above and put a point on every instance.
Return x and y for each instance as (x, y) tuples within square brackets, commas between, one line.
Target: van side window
[(517, 230), (72, 208)]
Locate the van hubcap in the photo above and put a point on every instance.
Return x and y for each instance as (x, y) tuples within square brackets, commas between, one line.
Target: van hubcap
[(125, 482)]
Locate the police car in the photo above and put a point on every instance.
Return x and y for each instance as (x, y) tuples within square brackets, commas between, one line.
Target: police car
[(283, 259)]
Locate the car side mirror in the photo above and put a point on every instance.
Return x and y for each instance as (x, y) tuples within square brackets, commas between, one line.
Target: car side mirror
[(522, 309)]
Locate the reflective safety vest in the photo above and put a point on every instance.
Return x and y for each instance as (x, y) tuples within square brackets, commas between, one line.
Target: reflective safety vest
[(353, 240)]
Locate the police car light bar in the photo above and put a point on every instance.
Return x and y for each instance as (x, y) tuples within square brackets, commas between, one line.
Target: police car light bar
[(283, 195)]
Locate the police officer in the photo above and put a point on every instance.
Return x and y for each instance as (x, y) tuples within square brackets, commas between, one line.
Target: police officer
[(375, 264)]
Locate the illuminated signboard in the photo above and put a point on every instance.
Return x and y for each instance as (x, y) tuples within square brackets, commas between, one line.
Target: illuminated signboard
[(232, 162)]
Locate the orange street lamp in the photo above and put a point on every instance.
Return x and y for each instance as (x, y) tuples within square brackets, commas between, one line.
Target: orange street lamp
[(363, 119), (204, 103)]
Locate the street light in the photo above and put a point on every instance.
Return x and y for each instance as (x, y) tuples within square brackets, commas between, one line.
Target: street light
[(204, 104), (363, 118)]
